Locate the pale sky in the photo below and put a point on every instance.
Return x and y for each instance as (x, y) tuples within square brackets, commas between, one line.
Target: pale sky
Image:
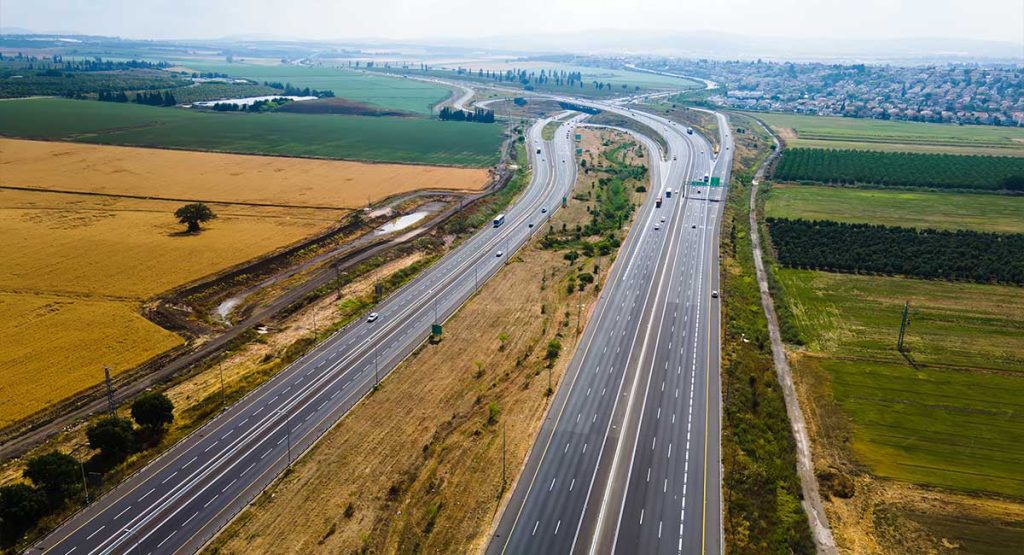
[(1001, 20)]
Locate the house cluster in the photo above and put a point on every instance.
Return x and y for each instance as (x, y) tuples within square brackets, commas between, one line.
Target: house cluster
[(967, 94)]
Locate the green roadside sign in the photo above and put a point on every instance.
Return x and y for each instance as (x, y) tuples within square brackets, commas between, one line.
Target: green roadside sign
[(578, 136), (716, 182), (697, 183), (579, 151), (435, 330)]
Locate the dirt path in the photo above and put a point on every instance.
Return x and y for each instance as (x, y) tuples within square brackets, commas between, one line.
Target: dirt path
[(805, 464)]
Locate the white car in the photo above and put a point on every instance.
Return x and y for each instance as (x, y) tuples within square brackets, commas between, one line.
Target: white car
[(372, 317), (714, 294), (499, 254), (657, 227), (663, 219)]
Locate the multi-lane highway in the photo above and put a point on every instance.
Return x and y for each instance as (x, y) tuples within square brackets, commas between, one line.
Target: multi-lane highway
[(628, 459), (178, 502)]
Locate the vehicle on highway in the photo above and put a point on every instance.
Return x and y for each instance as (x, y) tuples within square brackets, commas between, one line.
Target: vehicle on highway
[(714, 294), (372, 317), (538, 151), (498, 254), (530, 224), (657, 202), (706, 176), (498, 220), (663, 219), (668, 193), (657, 227), (543, 210), (694, 226), (689, 131)]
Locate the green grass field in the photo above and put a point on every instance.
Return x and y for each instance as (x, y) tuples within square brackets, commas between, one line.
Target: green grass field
[(903, 136), (386, 92), (998, 213), (952, 422), (412, 140)]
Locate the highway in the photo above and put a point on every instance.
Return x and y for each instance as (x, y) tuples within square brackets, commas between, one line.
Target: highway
[(183, 498), (628, 459)]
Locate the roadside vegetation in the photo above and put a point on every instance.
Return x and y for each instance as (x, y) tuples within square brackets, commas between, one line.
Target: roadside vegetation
[(407, 140), (902, 169), (761, 487)]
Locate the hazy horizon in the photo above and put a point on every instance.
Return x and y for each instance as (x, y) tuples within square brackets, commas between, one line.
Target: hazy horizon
[(402, 20)]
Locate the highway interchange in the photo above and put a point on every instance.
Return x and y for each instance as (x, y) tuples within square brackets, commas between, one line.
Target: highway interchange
[(628, 458)]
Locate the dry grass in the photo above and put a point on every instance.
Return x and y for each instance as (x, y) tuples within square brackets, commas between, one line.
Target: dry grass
[(418, 460), (213, 177)]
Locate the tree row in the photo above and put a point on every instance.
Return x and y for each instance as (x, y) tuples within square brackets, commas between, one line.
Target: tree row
[(904, 169), (877, 249)]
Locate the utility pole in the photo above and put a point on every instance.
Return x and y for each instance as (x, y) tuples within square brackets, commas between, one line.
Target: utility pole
[(288, 435), (85, 483), (110, 390), (903, 326), (504, 426), (337, 281)]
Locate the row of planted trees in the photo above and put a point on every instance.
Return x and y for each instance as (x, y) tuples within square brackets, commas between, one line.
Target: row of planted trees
[(54, 479)]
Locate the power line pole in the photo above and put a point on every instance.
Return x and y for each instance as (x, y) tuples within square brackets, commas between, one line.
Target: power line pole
[(903, 326), (110, 390), (85, 483), (504, 426)]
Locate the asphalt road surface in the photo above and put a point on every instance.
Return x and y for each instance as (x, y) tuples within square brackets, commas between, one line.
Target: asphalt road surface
[(628, 459), (182, 499)]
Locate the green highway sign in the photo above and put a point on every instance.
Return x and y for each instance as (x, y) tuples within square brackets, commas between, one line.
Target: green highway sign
[(697, 183), (578, 136), (579, 151), (435, 330), (716, 182)]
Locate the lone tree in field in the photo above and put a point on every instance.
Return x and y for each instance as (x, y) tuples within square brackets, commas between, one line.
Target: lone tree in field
[(194, 214)]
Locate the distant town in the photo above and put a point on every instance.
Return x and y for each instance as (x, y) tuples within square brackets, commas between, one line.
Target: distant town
[(964, 94)]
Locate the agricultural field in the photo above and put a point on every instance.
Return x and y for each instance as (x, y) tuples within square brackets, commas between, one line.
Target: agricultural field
[(962, 255), (901, 169), (801, 131), (83, 262), (77, 267), (919, 209), (215, 177), (385, 92), (407, 140), (951, 420)]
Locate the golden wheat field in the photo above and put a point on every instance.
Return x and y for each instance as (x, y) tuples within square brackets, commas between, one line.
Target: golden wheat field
[(217, 177), (77, 267)]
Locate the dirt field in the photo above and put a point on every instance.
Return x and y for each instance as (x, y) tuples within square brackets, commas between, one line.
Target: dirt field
[(213, 177), (427, 477)]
